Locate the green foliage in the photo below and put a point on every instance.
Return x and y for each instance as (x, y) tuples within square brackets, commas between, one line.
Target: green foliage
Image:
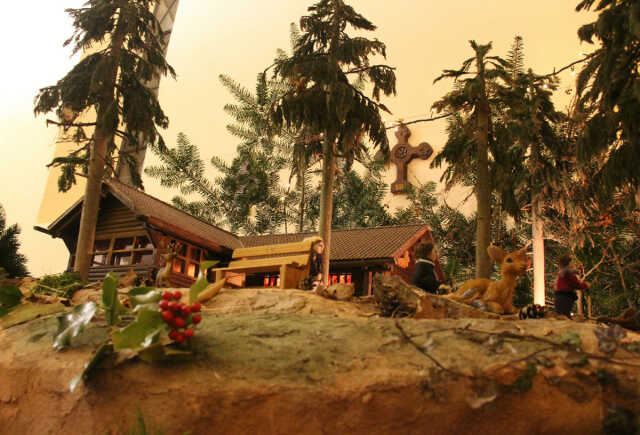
[(324, 100), (610, 82), (201, 283), (572, 339), (64, 284), (112, 80), (73, 323), (101, 353), (110, 302), (10, 296), (140, 427), (358, 200), (144, 296), (141, 333), (11, 260)]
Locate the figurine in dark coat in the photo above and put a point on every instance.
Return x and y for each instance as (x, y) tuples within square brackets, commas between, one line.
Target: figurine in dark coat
[(424, 275)]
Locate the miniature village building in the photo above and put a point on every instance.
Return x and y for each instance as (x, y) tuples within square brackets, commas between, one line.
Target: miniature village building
[(134, 229)]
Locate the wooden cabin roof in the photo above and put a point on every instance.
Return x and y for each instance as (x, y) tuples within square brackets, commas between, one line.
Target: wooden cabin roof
[(162, 214), (159, 214), (355, 244)]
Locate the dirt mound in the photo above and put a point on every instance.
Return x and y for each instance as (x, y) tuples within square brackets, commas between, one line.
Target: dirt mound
[(271, 361)]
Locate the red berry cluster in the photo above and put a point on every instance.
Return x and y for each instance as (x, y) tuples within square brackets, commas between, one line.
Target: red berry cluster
[(179, 315)]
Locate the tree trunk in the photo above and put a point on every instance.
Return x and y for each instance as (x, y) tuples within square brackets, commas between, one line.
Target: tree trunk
[(102, 136), (301, 179), (483, 194), (90, 207), (326, 202)]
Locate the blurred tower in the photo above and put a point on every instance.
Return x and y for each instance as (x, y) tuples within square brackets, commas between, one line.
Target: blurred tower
[(55, 202)]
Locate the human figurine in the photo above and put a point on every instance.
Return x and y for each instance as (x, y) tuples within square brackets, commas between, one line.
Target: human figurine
[(424, 275), (566, 286), (315, 264)]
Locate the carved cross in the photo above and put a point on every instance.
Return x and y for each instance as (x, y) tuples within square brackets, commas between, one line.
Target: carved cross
[(402, 153)]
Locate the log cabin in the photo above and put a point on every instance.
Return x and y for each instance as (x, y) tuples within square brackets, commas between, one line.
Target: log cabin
[(134, 229)]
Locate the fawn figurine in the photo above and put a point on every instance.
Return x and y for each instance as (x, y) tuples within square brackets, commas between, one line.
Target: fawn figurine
[(495, 296), (164, 274)]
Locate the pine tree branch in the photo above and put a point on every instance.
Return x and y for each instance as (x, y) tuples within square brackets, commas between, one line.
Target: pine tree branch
[(433, 118), (554, 73), (367, 68), (73, 124)]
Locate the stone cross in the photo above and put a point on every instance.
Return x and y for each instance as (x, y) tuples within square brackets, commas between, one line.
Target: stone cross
[(402, 153)]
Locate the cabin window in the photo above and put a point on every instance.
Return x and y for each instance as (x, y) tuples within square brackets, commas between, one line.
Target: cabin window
[(188, 258), (121, 258), (102, 245), (123, 251), (99, 259), (143, 242), (123, 243)]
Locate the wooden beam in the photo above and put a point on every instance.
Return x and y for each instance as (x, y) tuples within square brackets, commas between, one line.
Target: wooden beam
[(272, 263), (283, 248)]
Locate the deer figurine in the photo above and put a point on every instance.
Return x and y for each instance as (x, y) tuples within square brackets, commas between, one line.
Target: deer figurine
[(163, 278), (495, 296)]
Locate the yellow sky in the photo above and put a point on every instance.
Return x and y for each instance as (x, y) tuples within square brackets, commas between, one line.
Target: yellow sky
[(240, 38)]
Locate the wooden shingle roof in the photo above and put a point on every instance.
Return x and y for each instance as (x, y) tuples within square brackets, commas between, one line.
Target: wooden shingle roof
[(162, 213), (355, 244)]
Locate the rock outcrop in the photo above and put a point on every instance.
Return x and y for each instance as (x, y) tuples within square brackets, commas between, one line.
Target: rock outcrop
[(273, 361)]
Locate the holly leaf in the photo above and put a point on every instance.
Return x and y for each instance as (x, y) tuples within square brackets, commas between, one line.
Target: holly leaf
[(137, 291), (142, 333), (73, 323), (10, 296), (144, 296), (572, 339), (26, 312), (201, 283), (110, 302), (100, 354)]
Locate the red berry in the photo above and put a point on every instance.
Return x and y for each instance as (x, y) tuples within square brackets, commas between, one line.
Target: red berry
[(188, 333), (163, 304), (173, 306), (178, 322), (180, 338), (177, 295), (196, 318), (174, 334), (196, 307), (166, 295), (167, 316), (186, 311)]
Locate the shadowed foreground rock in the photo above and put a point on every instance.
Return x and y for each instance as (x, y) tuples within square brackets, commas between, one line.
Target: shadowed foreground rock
[(273, 361)]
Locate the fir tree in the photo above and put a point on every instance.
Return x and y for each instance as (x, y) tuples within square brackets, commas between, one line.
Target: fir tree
[(532, 149), (111, 81), (13, 263), (325, 102), (250, 182), (610, 81), (469, 146), (358, 200)]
